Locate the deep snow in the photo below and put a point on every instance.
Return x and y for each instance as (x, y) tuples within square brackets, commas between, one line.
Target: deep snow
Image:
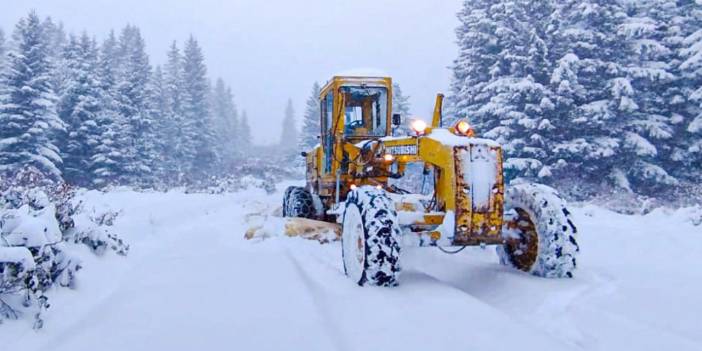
[(191, 282)]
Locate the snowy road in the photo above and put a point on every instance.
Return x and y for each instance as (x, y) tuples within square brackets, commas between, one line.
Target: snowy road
[(191, 282)]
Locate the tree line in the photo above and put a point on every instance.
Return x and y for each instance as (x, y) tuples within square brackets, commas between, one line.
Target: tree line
[(100, 114), (589, 95)]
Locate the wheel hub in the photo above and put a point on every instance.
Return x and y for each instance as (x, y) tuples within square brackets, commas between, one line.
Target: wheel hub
[(523, 248), (353, 242), (360, 247)]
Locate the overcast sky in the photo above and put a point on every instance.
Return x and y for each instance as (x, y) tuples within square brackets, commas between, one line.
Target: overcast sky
[(272, 50)]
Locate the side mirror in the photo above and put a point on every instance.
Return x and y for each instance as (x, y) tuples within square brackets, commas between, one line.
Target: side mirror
[(396, 119), (303, 154)]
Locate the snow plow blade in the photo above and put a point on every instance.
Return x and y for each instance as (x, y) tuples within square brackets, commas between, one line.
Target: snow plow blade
[(270, 226)]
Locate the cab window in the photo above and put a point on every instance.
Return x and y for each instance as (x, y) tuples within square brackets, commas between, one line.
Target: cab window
[(365, 111), (327, 132)]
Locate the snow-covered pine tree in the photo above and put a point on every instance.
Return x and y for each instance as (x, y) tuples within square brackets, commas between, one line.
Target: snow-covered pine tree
[(28, 104), (288, 137), (80, 104), (158, 108), (476, 51), (175, 143), (56, 39), (132, 103), (599, 108), (309, 135), (108, 63), (689, 135), (602, 92), (198, 133), (2, 50), (584, 68), (158, 100), (401, 105), (233, 116), (226, 120), (650, 34), (55, 36), (108, 164), (499, 83), (245, 132)]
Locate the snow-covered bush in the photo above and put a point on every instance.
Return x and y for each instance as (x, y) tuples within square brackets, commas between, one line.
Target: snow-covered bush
[(694, 214), (38, 219), (263, 173)]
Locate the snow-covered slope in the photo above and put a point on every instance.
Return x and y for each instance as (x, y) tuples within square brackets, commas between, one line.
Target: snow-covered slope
[(191, 282)]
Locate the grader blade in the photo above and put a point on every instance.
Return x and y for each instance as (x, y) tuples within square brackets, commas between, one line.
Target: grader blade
[(267, 226)]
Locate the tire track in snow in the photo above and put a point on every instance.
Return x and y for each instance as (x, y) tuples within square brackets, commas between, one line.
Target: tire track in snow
[(414, 282), (321, 304)]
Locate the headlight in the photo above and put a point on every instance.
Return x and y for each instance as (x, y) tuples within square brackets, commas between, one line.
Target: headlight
[(419, 126), (388, 157), (462, 127)]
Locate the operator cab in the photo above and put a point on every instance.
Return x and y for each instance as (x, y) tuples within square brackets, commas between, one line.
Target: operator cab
[(353, 108)]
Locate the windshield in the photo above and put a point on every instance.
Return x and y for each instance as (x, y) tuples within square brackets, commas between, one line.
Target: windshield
[(366, 111)]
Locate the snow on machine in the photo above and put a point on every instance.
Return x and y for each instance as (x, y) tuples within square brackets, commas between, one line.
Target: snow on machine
[(438, 187)]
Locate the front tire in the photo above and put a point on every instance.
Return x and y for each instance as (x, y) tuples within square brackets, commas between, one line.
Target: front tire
[(539, 234), (298, 202), (370, 238)]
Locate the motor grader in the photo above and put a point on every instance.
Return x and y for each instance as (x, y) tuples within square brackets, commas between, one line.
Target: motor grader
[(455, 196)]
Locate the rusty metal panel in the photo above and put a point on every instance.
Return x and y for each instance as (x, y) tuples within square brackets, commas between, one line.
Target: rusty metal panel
[(479, 195)]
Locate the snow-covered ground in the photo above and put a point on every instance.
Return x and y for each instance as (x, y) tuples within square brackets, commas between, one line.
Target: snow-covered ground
[(191, 282)]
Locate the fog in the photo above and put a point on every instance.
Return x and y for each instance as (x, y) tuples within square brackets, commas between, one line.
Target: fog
[(269, 51)]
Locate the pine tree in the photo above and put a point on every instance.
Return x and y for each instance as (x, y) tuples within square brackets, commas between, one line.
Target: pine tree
[(650, 67), (198, 133), (2, 50), (477, 49), (309, 135), (577, 91), (158, 112), (109, 162), (132, 104), (79, 108), (175, 146), (497, 86), (28, 104), (233, 116), (226, 120), (56, 39), (108, 64), (54, 36), (245, 132), (288, 138), (607, 139), (401, 105), (689, 133)]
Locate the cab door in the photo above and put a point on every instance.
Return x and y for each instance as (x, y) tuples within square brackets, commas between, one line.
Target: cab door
[(327, 108)]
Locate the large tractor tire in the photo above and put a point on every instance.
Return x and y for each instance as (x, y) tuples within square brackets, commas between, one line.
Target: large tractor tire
[(539, 235), (370, 238), (298, 202)]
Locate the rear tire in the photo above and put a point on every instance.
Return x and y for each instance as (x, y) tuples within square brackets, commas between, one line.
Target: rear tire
[(539, 235), (298, 202), (370, 238)]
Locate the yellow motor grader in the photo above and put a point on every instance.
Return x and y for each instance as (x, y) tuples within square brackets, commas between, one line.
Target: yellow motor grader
[(436, 187)]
